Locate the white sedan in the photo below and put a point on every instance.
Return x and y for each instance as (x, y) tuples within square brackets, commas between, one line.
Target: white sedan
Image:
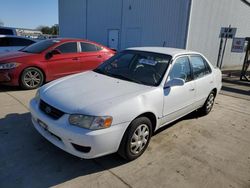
[(119, 105)]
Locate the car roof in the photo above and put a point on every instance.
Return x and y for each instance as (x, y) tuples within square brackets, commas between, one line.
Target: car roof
[(164, 50), (76, 40), (15, 36)]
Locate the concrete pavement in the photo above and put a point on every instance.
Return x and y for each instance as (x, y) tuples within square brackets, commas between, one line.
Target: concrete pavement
[(211, 151)]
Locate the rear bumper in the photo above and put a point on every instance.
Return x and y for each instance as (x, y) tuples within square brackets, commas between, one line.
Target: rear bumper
[(77, 141)]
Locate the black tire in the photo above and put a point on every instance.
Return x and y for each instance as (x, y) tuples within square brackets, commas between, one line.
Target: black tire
[(31, 78), (208, 105), (127, 148)]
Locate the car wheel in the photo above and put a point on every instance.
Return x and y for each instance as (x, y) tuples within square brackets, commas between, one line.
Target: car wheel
[(208, 105), (136, 139), (31, 78)]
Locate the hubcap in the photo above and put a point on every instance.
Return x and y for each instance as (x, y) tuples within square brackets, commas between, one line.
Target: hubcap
[(139, 139), (32, 78), (210, 102)]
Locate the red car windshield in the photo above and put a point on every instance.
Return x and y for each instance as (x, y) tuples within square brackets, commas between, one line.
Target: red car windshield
[(38, 47)]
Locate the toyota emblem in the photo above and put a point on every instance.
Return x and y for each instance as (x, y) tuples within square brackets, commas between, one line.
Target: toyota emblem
[(48, 110)]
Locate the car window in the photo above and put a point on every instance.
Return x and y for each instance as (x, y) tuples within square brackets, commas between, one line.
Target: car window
[(4, 42), (6, 32), (181, 69), (87, 47), (136, 66), (40, 46), (20, 42), (69, 47), (200, 66)]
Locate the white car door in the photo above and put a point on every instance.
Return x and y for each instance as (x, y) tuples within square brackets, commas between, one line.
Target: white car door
[(203, 78), (178, 100)]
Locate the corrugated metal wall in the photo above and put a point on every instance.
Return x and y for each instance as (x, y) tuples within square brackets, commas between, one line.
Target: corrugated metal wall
[(140, 22), (72, 18), (207, 17), (102, 16), (157, 21)]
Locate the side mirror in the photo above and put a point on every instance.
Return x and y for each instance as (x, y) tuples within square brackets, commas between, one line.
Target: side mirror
[(52, 53), (174, 82), (48, 55)]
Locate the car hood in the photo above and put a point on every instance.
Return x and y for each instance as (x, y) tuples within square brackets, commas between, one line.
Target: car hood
[(8, 56), (75, 93)]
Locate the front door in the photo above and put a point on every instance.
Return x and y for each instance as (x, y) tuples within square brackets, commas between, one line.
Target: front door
[(66, 62), (178, 100)]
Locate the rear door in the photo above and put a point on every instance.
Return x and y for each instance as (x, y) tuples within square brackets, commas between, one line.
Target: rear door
[(66, 62), (203, 77), (91, 56)]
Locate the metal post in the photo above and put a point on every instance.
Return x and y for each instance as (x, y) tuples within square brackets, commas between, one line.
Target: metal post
[(223, 52), (219, 53)]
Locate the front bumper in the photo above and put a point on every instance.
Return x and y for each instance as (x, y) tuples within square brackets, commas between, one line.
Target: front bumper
[(65, 136), (8, 77)]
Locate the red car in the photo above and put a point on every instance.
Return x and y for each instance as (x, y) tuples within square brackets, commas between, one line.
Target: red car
[(50, 59)]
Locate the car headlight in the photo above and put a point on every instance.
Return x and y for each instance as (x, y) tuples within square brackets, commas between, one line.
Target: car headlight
[(90, 122), (11, 65), (37, 96)]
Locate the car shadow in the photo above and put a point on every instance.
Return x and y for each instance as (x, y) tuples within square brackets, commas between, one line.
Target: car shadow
[(29, 160), (4, 88)]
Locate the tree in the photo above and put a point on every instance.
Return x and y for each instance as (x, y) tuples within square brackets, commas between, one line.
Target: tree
[(53, 30), (1, 23)]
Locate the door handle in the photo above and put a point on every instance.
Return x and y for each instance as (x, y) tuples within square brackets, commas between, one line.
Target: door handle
[(192, 89), (75, 58), (99, 56), (211, 82)]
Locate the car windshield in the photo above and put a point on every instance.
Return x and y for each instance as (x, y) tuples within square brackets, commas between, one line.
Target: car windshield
[(38, 47), (136, 66)]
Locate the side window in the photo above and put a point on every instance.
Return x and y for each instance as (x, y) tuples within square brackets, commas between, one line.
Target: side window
[(87, 47), (4, 31), (200, 66), (4, 42), (20, 42), (70, 47), (181, 69)]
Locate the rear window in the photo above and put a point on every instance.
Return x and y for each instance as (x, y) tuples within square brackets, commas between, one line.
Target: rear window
[(87, 47), (20, 42), (6, 31)]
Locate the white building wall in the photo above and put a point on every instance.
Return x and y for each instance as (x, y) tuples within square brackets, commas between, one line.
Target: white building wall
[(207, 17)]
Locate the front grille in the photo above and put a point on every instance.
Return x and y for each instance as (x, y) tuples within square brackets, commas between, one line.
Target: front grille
[(50, 110)]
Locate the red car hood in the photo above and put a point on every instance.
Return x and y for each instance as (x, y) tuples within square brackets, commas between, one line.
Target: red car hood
[(4, 57)]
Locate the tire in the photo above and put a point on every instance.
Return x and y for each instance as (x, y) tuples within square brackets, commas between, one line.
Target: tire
[(136, 139), (31, 78), (208, 105)]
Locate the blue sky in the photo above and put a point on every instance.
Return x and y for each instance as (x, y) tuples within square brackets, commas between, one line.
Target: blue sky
[(28, 13)]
